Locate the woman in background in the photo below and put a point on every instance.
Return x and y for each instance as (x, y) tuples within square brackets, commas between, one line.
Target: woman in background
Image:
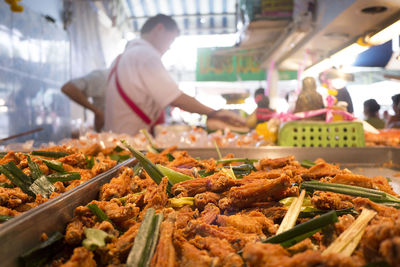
[(371, 112)]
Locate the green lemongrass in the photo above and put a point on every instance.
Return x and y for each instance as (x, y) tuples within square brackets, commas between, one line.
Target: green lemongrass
[(158, 218), (347, 242), (64, 177), (152, 147), (149, 166), (217, 149), (303, 228), (297, 239), (316, 212), (291, 215), (180, 202), (307, 164), (174, 177), (101, 216), (374, 195), (49, 154), (227, 161)]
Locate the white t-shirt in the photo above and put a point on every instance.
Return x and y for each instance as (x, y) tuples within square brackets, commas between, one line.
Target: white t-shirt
[(94, 85), (145, 81)]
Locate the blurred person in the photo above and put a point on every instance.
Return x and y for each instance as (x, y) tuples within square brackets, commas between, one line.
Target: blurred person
[(262, 112), (92, 85), (371, 112), (394, 121), (309, 99), (139, 87), (335, 81)]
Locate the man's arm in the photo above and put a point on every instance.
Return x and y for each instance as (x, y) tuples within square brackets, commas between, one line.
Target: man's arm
[(190, 104), (79, 97)]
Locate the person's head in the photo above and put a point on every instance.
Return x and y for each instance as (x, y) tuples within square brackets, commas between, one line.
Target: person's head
[(261, 99), (333, 79), (371, 108), (396, 103), (160, 31)]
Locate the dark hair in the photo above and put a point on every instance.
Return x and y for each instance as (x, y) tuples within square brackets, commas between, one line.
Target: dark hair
[(259, 91), (168, 22), (371, 106), (396, 99)]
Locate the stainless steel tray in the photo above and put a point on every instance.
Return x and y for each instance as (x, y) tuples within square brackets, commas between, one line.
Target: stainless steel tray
[(23, 232)]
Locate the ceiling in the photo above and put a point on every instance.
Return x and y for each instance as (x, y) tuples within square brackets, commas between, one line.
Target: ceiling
[(192, 16)]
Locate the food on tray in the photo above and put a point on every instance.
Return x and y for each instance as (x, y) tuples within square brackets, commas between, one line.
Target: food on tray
[(387, 137), (174, 210), (30, 179)]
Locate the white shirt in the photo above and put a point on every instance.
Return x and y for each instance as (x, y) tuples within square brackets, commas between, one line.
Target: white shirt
[(145, 81), (94, 85)]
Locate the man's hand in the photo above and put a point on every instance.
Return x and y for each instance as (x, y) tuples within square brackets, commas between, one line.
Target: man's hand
[(222, 119), (98, 120)]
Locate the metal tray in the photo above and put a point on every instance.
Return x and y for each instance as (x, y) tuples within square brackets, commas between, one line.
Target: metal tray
[(23, 232)]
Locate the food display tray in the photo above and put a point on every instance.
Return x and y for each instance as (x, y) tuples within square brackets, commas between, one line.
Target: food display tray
[(22, 233)]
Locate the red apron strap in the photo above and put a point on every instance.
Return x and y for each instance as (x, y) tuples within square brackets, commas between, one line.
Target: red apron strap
[(125, 97)]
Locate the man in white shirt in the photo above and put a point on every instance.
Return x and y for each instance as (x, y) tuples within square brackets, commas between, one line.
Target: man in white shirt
[(92, 85), (139, 86)]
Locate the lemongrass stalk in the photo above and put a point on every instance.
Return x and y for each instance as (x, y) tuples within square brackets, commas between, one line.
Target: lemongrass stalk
[(292, 214)]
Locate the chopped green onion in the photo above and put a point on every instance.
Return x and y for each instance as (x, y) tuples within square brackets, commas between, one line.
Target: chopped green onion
[(17, 177), (64, 177), (316, 212), (4, 218), (95, 238), (98, 212), (41, 254), (304, 228), (307, 164), (297, 239), (174, 177), (54, 165), (49, 154), (6, 185)]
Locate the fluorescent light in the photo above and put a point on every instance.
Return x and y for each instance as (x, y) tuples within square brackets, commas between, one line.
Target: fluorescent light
[(386, 34), (344, 57)]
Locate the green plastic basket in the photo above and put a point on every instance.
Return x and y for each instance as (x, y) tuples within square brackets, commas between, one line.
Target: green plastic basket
[(321, 134)]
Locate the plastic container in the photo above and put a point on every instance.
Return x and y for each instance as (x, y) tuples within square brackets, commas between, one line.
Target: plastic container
[(321, 134)]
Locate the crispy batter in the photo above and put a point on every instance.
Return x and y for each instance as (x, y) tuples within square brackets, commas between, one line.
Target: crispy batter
[(165, 255), (331, 201), (320, 170), (12, 197), (81, 258), (202, 199)]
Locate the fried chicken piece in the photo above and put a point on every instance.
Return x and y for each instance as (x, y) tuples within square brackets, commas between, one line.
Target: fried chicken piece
[(74, 233), (325, 200), (259, 254), (209, 215), (251, 222), (118, 186), (202, 199), (81, 258), (161, 158), (344, 222), (183, 160), (117, 212), (232, 235), (378, 183), (320, 170), (382, 210), (390, 250), (268, 164), (10, 156), (380, 240), (165, 255), (218, 182), (222, 250), (8, 212), (121, 247), (192, 256), (157, 197), (76, 160), (102, 165), (12, 197), (258, 190), (184, 215), (92, 150), (273, 212), (272, 174)]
